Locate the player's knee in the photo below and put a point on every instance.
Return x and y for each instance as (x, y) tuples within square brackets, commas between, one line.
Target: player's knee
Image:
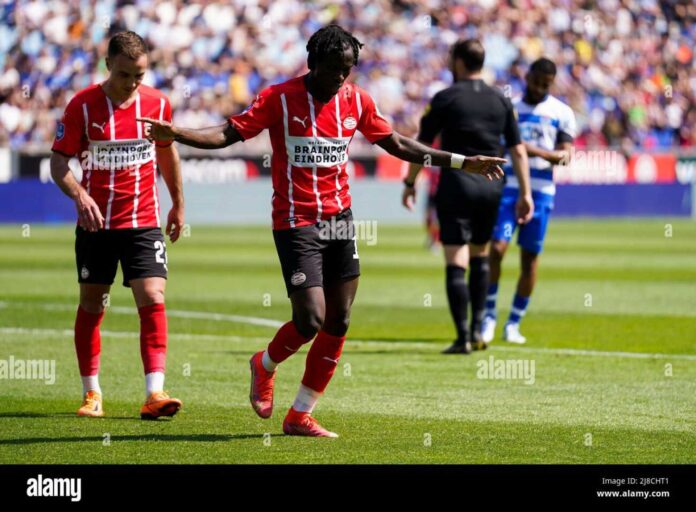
[(94, 300), (498, 248), (337, 325), (92, 305), (308, 322), (528, 267), (149, 296)]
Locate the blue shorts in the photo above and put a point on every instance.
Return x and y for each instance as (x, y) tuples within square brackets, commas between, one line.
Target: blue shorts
[(531, 235)]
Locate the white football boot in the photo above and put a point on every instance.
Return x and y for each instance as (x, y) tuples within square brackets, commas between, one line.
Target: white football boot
[(488, 329), (511, 334)]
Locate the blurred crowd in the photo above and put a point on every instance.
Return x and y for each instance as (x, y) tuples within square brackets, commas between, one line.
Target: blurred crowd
[(626, 67)]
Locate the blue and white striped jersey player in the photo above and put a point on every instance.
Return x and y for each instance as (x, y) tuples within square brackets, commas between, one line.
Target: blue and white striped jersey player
[(547, 129)]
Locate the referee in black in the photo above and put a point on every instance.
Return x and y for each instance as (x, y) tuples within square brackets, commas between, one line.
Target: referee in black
[(471, 119)]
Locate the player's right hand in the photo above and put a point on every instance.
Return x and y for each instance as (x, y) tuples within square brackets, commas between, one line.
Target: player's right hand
[(88, 213), (408, 198), (524, 209), (155, 130), (488, 166)]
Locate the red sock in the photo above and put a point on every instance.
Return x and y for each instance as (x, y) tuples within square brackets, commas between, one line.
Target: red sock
[(322, 360), (153, 337), (88, 341), (285, 343)]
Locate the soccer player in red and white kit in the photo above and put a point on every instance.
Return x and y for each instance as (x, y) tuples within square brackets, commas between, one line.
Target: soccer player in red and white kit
[(312, 119), (119, 213)]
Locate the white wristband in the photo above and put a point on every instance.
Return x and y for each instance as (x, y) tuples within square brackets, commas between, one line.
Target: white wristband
[(457, 161)]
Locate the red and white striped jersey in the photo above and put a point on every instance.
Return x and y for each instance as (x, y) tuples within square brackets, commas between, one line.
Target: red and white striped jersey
[(310, 146), (118, 162)]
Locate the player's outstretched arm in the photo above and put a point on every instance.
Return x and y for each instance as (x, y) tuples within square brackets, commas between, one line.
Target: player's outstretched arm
[(415, 152), (213, 137), (89, 216)]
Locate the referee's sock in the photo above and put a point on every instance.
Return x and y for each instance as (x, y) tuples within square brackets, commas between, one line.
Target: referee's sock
[(478, 289), (458, 298)]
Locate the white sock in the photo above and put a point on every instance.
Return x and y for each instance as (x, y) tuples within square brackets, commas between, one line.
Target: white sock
[(306, 399), (154, 382), (90, 383), (267, 362)]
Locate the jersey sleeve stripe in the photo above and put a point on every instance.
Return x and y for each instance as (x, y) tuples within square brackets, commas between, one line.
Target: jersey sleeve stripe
[(338, 172), (88, 177), (112, 171), (315, 184), (154, 175), (289, 170), (136, 191)]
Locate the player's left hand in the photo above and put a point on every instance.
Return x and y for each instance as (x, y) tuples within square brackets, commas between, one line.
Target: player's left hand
[(488, 166), (524, 209), (175, 223), (408, 198)]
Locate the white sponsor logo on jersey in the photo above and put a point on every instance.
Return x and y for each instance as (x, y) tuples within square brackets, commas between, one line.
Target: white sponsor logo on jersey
[(317, 151), (118, 154)]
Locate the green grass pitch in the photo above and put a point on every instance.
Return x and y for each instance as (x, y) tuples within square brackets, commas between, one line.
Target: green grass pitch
[(611, 331)]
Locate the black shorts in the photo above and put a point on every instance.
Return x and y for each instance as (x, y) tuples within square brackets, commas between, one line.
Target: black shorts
[(320, 254), (142, 253), (467, 208)]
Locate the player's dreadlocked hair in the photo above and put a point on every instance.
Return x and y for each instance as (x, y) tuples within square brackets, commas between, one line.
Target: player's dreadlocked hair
[(331, 40)]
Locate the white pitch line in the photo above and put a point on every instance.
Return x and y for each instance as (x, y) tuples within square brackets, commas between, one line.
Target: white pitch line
[(599, 353), (173, 313), (392, 344), (124, 334)]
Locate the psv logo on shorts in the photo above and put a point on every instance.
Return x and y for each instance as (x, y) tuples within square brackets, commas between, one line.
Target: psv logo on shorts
[(298, 278)]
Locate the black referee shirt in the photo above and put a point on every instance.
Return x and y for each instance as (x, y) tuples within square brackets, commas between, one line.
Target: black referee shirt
[(472, 117)]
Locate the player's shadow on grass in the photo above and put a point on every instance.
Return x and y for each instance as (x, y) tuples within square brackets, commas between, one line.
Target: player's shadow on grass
[(71, 415), (33, 414), (203, 438), (349, 351)]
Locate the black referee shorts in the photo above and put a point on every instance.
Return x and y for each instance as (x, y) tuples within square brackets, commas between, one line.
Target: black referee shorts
[(467, 207)]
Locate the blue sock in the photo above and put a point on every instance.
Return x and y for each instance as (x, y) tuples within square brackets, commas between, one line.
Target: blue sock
[(519, 308), (491, 297)]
